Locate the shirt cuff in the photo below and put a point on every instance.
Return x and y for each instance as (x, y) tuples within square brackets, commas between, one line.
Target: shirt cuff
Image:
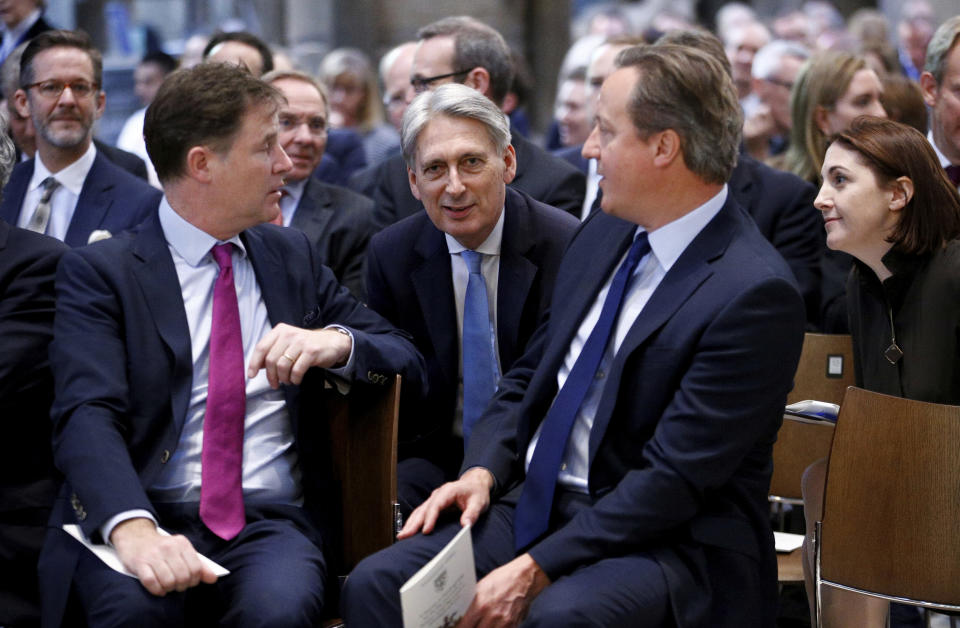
[(343, 376), (107, 528)]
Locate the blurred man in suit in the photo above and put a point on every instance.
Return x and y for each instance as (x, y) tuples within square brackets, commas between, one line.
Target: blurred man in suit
[(69, 189), (465, 50), (338, 221)]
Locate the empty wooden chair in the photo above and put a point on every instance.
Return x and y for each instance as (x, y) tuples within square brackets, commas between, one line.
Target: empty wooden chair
[(890, 526)]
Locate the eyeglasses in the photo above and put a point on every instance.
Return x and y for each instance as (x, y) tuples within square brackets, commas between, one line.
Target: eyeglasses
[(421, 85), (781, 83), (53, 89)]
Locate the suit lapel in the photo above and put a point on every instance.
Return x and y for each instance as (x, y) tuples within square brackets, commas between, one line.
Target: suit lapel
[(271, 277), (92, 204), (690, 270), (433, 283), (313, 211), (517, 274), (157, 276)]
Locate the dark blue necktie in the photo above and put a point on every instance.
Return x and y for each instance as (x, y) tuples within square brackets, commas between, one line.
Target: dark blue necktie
[(532, 515), (480, 371)]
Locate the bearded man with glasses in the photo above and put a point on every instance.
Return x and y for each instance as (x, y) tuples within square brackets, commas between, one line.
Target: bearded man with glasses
[(69, 189)]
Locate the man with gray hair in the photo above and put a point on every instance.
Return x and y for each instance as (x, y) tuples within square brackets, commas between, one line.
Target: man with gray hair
[(619, 476), (941, 74), (465, 50), (775, 68), (456, 144)]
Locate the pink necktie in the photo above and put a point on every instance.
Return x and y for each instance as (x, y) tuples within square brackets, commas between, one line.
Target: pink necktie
[(221, 494)]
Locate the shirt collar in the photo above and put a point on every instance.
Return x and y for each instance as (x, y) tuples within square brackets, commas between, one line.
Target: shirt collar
[(189, 242), (490, 246), (295, 190), (669, 241), (71, 177), (943, 158)]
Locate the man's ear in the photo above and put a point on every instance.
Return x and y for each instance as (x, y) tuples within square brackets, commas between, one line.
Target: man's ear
[(479, 79), (666, 147), (198, 164), (101, 104), (22, 103), (412, 178), (902, 190), (510, 164), (928, 85)]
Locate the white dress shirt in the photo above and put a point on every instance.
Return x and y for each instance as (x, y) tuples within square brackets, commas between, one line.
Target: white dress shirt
[(593, 185), (131, 140), (490, 268), (666, 245), (63, 202), (292, 193), (271, 472)]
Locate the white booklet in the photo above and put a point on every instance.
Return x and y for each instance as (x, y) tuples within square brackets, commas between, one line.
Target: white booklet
[(108, 554), (439, 594)]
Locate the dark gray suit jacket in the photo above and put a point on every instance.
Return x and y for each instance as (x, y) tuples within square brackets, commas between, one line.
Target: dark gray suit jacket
[(339, 224)]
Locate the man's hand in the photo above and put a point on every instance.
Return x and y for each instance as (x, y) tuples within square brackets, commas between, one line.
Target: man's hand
[(287, 352), (470, 493), (504, 596), (161, 563)]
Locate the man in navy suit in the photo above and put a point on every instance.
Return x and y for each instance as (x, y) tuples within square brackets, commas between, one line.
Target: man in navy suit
[(178, 355), (338, 221), (417, 277), (465, 50), (60, 77), (620, 474)]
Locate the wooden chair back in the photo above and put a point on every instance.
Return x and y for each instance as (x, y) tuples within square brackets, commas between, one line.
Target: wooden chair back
[(825, 369), (891, 521), (363, 437)]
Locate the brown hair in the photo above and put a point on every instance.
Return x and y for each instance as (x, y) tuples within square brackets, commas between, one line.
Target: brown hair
[(203, 105), (59, 39), (891, 150)]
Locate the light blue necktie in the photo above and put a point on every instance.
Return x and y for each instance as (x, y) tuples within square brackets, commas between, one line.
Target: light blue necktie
[(532, 516), (480, 372)]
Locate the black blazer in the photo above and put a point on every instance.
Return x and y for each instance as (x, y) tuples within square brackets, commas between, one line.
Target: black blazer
[(339, 224), (409, 282), (781, 204), (543, 176), (125, 159)]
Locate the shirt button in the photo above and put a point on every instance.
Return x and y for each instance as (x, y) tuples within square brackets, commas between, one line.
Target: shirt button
[(563, 467), (600, 374), (165, 456)]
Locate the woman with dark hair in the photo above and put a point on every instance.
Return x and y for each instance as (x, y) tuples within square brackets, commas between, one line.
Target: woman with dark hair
[(887, 202)]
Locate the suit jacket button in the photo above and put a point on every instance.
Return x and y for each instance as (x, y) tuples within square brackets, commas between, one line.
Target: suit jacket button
[(82, 514), (165, 456)]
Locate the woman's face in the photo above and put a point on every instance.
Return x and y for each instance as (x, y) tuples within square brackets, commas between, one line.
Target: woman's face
[(858, 213), (347, 95), (861, 98)]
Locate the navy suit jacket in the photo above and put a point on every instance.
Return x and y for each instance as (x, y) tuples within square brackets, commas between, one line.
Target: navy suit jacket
[(409, 282), (781, 204), (111, 199), (123, 371), (543, 176), (681, 445), (339, 224), (573, 155)]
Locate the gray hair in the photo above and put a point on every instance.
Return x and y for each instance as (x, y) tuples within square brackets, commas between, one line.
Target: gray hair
[(766, 63), (939, 47), (273, 76), (8, 154), (456, 101), (687, 90)]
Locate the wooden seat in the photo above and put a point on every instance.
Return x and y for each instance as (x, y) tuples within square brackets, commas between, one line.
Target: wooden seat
[(824, 372), (890, 526), (363, 437)]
